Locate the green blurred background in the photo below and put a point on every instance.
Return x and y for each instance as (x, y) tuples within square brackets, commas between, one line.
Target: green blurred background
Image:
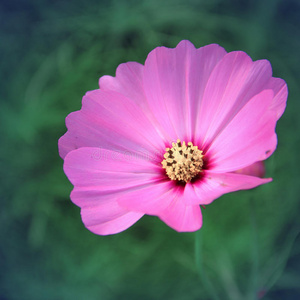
[(52, 52)]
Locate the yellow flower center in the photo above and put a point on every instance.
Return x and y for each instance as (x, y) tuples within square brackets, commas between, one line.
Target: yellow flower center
[(182, 162)]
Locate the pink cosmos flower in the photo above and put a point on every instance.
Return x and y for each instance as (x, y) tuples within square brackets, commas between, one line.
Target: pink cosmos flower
[(166, 137)]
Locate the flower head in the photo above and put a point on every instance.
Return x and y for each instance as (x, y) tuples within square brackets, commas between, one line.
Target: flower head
[(166, 137)]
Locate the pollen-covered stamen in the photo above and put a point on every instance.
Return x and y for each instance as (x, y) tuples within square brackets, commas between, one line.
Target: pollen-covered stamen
[(182, 162)]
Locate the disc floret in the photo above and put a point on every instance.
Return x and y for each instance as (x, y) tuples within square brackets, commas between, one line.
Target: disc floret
[(183, 161)]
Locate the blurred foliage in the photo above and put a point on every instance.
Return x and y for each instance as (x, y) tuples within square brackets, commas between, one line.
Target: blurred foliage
[(52, 52)]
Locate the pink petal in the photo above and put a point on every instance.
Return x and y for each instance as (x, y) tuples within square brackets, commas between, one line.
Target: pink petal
[(248, 138), (98, 172), (280, 90), (214, 185), (100, 178), (128, 82), (166, 201), (150, 200), (233, 82), (174, 82), (256, 169), (112, 121), (108, 218), (182, 217)]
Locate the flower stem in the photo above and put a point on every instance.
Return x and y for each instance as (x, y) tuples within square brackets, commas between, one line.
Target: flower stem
[(255, 251), (200, 267)]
